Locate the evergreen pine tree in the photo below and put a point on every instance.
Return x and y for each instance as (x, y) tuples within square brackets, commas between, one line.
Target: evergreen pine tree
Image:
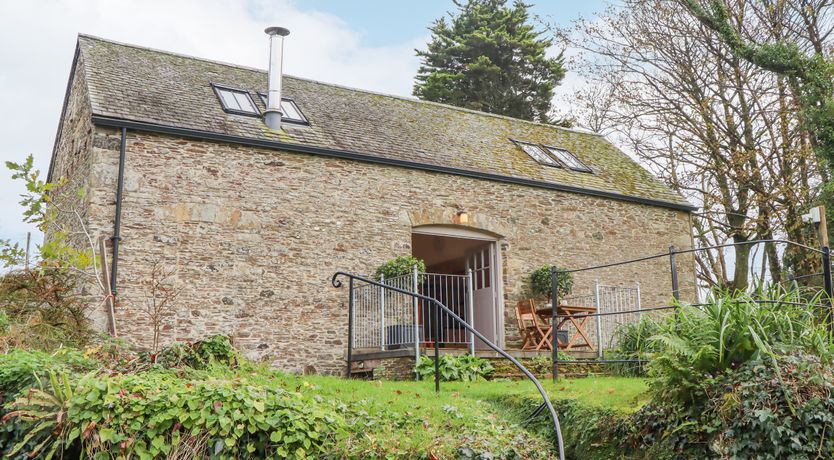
[(489, 58)]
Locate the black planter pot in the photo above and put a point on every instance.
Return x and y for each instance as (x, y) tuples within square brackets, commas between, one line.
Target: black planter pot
[(562, 336)]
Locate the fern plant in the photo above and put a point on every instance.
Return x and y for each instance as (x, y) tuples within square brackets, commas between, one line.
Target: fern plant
[(731, 329)]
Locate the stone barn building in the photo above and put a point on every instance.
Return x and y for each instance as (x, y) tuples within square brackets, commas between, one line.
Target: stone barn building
[(179, 168)]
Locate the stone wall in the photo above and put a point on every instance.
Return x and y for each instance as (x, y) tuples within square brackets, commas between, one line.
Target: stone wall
[(254, 236), (73, 166)]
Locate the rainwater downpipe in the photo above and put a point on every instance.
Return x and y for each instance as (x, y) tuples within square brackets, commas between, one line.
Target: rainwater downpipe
[(117, 222)]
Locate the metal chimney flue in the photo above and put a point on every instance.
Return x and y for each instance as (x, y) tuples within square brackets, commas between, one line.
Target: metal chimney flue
[(272, 115)]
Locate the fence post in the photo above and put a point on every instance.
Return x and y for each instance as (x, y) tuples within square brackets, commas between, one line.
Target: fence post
[(414, 279), (673, 265), (554, 301), (436, 327), (350, 329), (598, 305), (826, 280), (382, 313), (470, 300), (639, 303)]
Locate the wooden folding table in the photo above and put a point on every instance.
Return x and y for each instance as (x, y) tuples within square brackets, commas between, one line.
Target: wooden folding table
[(575, 314)]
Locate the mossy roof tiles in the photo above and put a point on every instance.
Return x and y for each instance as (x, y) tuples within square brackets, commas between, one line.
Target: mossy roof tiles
[(161, 88)]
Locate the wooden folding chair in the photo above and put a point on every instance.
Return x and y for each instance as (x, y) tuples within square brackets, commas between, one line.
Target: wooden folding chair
[(530, 327)]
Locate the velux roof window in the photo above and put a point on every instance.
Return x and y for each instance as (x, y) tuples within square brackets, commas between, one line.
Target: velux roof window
[(568, 159), (553, 156), (236, 101), (289, 110), (537, 153)]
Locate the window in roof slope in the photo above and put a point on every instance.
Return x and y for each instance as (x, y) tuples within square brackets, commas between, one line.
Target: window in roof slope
[(537, 153), (568, 159), (236, 101), (289, 110)]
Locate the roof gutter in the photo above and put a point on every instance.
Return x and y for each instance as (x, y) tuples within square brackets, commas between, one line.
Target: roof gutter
[(335, 153)]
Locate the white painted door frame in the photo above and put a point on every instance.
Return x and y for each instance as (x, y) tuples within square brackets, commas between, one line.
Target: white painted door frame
[(496, 269)]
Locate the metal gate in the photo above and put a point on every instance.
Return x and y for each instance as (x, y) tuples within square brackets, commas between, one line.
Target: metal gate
[(607, 299), (387, 320)]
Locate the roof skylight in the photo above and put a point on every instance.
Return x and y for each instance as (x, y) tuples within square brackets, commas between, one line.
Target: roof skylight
[(568, 159), (537, 153), (289, 110), (236, 101), (552, 156)]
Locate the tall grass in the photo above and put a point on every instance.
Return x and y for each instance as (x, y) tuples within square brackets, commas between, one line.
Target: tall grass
[(731, 329), (634, 342)]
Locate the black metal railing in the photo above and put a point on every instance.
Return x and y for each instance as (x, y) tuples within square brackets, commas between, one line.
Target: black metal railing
[(439, 307), (824, 252)]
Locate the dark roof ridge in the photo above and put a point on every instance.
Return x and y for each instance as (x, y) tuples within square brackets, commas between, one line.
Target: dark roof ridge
[(350, 88)]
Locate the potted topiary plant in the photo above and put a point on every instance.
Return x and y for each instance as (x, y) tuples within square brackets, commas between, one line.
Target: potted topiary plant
[(396, 267), (540, 285), (540, 282), (399, 266)]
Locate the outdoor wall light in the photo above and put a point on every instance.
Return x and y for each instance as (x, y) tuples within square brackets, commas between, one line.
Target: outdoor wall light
[(461, 218)]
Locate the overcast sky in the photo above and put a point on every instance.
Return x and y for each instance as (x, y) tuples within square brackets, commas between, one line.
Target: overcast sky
[(366, 44)]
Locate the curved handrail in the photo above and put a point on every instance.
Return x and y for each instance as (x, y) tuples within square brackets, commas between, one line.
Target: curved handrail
[(555, 418)]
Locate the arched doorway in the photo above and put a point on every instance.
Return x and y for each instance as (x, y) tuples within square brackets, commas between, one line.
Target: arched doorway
[(454, 251)]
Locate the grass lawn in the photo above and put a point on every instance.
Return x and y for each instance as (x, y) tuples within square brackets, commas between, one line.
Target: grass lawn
[(623, 394), (451, 418)]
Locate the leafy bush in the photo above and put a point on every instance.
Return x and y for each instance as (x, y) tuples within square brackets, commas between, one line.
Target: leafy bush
[(774, 412), (759, 410), (42, 421), (43, 310), (198, 355), (543, 364), (224, 410), (156, 414), (463, 367), (20, 369), (540, 281), (634, 341), (730, 330), (399, 266)]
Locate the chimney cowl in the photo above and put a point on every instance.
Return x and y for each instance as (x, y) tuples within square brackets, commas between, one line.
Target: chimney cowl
[(272, 114), (277, 31)]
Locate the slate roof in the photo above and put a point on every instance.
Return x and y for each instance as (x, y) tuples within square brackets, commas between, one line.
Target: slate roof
[(161, 88)]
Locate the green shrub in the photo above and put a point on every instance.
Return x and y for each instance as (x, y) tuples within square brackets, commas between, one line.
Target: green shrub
[(157, 414), (634, 341), (759, 410), (43, 310), (20, 369), (399, 266), (111, 402), (197, 355), (728, 331), (467, 368), (540, 281), (775, 412), (543, 364), (32, 376)]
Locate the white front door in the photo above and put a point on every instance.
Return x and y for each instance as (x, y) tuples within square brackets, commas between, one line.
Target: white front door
[(482, 263)]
